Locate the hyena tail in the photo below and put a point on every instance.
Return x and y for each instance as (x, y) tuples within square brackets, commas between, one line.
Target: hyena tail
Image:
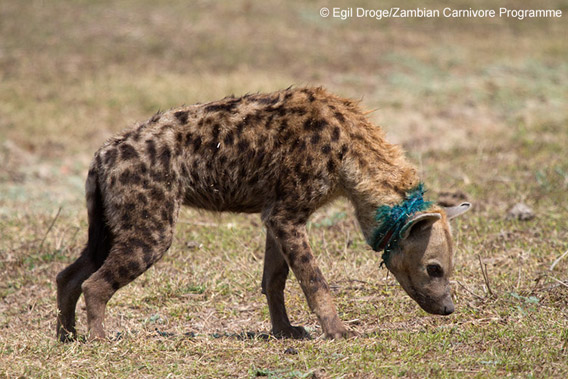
[(100, 235), (69, 280)]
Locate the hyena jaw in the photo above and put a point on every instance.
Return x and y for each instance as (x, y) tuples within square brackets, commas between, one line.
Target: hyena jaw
[(283, 155)]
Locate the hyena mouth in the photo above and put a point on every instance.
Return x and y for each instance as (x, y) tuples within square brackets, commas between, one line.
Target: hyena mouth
[(436, 306)]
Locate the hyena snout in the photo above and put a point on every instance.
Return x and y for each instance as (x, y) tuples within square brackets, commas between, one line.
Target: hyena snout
[(439, 306)]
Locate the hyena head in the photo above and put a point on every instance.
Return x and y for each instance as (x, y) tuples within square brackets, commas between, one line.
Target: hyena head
[(422, 261)]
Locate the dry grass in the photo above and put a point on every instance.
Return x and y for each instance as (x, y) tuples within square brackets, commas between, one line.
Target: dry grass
[(479, 104)]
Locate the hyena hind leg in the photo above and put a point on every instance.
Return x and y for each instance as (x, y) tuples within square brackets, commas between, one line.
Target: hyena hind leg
[(69, 283), (128, 259)]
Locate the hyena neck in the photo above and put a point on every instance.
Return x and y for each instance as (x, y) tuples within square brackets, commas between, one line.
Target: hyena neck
[(391, 220), (385, 183)]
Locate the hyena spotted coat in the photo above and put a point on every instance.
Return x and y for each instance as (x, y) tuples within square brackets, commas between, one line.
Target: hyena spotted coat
[(282, 155)]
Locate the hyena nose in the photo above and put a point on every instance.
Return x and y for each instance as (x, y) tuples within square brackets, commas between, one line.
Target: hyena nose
[(448, 310)]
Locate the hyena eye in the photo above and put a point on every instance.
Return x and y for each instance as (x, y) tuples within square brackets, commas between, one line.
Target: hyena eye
[(435, 271)]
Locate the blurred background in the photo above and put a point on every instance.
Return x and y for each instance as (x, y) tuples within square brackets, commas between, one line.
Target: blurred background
[(74, 72)]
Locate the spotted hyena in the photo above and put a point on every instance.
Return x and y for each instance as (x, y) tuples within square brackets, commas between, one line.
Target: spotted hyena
[(283, 155)]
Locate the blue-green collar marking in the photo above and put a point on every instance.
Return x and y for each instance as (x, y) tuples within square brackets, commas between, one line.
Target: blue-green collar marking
[(392, 220)]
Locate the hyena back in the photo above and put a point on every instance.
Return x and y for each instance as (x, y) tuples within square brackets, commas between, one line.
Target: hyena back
[(282, 155)]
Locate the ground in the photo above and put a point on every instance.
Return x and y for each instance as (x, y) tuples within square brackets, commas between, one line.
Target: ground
[(478, 104)]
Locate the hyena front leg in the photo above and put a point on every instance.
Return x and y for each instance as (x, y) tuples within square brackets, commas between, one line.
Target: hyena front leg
[(273, 284), (293, 241)]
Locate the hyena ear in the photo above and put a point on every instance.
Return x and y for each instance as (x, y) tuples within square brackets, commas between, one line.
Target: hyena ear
[(456, 211), (420, 221)]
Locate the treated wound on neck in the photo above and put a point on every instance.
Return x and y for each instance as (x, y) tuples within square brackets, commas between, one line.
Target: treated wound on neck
[(392, 220)]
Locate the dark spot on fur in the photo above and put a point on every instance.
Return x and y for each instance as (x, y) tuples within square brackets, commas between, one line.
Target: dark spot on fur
[(182, 116), (213, 146), (343, 151), (358, 136), (165, 156), (128, 178), (127, 152), (249, 119), (283, 126), (315, 139), (305, 258), (335, 134), (148, 258), (268, 123), (133, 267), (98, 161), (157, 194), (291, 254), (108, 276), (136, 135), (243, 145), (188, 139), (123, 272), (137, 243), (151, 150), (268, 100), (130, 207), (184, 170), (339, 116), (142, 169), (326, 149), (196, 143), (110, 157), (223, 107), (279, 189), (229, 139), (216, 131), (260, 157), (146, 215), (195, 176), (164, 215), (315, 125), (331, 165), (158, 176), (300, 111), (170, 206), (141, 198), (295, 144), (253, 180), (286, 136)]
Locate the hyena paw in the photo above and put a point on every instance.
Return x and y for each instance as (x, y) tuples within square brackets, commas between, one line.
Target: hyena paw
[(341, 333), (295, 332)]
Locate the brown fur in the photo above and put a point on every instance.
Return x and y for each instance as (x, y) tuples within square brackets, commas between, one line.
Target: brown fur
[(283, 155)]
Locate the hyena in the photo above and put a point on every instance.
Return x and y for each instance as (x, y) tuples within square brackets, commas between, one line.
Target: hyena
[(283, 155)]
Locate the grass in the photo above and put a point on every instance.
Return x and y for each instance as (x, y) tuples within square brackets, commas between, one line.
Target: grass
[(479, 104)]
